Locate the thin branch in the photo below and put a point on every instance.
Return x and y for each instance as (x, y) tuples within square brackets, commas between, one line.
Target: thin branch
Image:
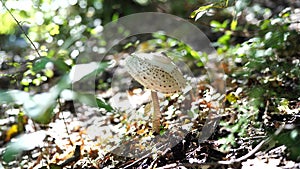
[(145, 156), (161, 155), (253, 151), (66, 125), (136, 161), (168, 166), (18, 23)]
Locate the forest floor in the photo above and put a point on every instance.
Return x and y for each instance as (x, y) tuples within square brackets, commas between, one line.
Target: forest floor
[(93, 138)]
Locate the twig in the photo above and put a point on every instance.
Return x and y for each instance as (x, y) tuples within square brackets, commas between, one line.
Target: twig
[(145, 156), (138, 160), (190, 165), (66, 125), (266, 108), (245, 156), (253, 150), (18, 23), (253, 138), (162, 154), (152, 163), (168, 166), (75, 157)]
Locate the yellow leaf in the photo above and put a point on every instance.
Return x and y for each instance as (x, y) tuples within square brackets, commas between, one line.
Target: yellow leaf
[(13, 130), (145, 47), (233, 24), (231, 97), (147, 109), (140, 132), (54, 29)]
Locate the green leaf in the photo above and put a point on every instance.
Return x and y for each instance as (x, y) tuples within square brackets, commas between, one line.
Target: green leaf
[(195, 54), (290, 138), (64, 83), (40, 107), (24, 142), (224, 39), (91, 100), (215, 24), (224, 24), (85, 98), (102, 104), (200, 64), (14, 96), (199, 15), (61, 65), (130, 44), (40, 64), (84, 71), (201, 9), (265, 24)]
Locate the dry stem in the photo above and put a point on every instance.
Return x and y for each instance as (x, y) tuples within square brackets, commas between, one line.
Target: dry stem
[(156, 112)]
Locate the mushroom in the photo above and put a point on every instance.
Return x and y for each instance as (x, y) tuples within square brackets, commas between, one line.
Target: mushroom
[(157, 72)]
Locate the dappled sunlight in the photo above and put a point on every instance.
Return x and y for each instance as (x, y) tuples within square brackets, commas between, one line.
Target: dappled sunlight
[(149, 84)]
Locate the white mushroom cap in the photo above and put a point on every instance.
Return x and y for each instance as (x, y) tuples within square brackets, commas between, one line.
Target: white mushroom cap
[(155, 71)]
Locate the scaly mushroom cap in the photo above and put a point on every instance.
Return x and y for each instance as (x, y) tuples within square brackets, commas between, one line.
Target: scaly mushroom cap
[(155, 71)]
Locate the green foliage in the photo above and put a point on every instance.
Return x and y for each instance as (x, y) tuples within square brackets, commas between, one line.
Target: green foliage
[(87, 99), (22, 143), (7, 25), (198, 13), (246, 116), (272, 70), (201, 11), (39, 107), (43, 111), (291, 139), (176, 49), (268, 59), (40, 64), (260, 43), (264, 50)]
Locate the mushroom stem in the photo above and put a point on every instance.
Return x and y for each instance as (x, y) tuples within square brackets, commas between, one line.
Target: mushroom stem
[(156, 112)]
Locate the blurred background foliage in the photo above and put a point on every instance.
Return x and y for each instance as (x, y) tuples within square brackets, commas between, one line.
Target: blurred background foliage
[(258, 41)]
